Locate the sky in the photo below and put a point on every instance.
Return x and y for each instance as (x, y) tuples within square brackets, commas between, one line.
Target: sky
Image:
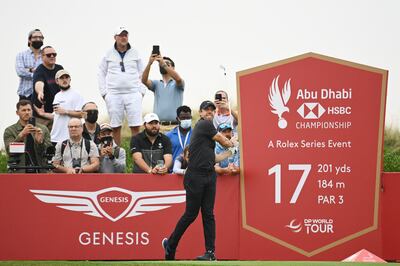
[(201, 36)]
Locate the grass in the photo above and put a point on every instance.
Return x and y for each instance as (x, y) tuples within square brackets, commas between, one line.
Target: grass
[(391, 161), (182, 263)]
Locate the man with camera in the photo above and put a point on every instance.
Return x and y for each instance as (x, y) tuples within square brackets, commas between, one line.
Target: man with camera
[(168, 92), (36, 139), (224, 113), (151, 150), (112, 157), (76, 155)]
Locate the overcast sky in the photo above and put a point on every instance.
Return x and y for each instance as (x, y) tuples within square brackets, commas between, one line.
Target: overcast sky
[(200, 36)]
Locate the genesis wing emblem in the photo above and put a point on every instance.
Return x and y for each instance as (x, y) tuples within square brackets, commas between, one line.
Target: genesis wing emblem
[(86, 201)]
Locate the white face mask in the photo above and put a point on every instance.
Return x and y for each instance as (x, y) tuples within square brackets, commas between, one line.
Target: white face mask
[(186, 123)]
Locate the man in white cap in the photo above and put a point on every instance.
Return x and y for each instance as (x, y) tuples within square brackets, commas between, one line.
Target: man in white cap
[(112, 157), (151, 150), (66, 104), (120, 84)]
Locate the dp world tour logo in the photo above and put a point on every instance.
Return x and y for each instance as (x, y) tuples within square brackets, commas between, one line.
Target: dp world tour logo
[(278, 100), (112, 203), (295, 227)]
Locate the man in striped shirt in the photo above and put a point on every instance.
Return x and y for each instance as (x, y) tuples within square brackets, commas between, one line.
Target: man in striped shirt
[(26, 63)]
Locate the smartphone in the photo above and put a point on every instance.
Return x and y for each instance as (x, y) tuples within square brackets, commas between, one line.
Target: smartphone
[(156, 50), (218, 97), (32, 121)]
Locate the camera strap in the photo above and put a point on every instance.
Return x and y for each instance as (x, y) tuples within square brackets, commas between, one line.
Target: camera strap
[(70, 149)]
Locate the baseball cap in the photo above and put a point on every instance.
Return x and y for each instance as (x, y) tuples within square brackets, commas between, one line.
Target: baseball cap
[(105, 126), (151, 117), (120, 29), (206, 104), (32, 32), (62, 72), (224, 126)]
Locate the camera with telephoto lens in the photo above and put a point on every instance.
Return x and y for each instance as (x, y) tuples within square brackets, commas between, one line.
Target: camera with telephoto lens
[(76, 164)]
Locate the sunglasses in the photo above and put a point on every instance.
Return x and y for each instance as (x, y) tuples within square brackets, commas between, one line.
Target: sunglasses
[(122, 66), (49, 55)]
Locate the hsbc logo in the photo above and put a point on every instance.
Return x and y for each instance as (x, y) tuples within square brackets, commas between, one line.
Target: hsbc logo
[(311, 110), (111, 203)]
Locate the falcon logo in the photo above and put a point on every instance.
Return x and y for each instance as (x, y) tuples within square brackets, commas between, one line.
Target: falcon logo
[(294, 227), (311, 110), (278, 101), (112, 203)]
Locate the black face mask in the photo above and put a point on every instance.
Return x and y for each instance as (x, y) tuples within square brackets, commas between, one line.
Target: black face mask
[(37, 44), (64, 88), (163, 71), (92, 116)]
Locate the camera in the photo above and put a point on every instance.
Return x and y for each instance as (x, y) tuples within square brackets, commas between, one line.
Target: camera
[(76, 164), (218, 96), (106, 141)]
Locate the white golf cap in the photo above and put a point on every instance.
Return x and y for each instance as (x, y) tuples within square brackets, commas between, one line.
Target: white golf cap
[(120, 29), (151, 117)]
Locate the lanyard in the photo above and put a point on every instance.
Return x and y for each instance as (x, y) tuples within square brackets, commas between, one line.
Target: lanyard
[(183, 145)]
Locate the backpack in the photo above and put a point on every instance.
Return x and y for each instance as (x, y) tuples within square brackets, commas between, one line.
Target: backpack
[(65, 142)]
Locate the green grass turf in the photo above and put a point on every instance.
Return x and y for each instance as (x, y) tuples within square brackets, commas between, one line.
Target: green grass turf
[(182, 263)]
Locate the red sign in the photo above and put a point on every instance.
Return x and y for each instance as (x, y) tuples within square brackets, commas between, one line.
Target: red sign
[(106, 217), (311, 143)]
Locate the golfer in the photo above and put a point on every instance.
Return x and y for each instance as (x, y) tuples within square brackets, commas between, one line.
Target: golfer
[(200, 182)]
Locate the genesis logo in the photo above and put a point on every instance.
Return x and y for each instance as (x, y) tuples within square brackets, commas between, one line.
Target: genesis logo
[(278, 100), (112, 203)]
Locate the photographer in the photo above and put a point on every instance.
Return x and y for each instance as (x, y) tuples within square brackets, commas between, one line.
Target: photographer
[(76, 155), (112, 157), (36, 138)]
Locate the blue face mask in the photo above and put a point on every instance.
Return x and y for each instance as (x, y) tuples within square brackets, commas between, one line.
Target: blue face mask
[(186, 123)]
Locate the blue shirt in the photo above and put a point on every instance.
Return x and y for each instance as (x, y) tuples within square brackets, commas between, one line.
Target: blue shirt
[(167, 98), (177, 147), (235, 159), (23, 62)]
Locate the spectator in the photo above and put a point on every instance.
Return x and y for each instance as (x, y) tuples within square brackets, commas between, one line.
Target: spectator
[(112, 157), (224, 114), (91, 129), (228, 166), (76, 155), (36, 137), (45, 86), (180, 135), (120, 84), (181, 163), (151, 150), (26, 63), (67, 103), (168, 92)]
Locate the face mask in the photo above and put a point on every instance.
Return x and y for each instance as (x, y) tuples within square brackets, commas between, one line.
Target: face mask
[(92, 116), (186, 123), (37, 44), (163, 71)]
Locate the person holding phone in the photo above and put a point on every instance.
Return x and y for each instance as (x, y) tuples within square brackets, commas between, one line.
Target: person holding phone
[(224, 113), (112, 156), (35, 136), (168, 91)]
